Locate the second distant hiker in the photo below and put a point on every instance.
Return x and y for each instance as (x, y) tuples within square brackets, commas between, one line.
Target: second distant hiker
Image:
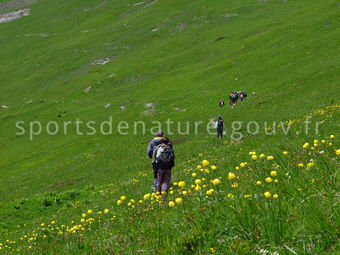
[(219, 126)]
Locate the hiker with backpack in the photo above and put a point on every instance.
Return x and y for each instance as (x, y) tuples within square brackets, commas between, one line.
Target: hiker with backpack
[(243, 96), (230, 96), (234, 98), (164, 159), (150, 151), (219, 126)]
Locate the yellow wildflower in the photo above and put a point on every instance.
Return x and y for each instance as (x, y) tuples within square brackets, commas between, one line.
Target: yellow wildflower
[(210, 192), (216, 181), (205, 162), (268, 179), (267, 194), (231, 176), (178, 200), (181, 184)]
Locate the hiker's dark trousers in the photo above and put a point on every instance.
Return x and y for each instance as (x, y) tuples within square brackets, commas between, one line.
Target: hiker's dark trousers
[(155, 170), (219, 133), (164, 177)]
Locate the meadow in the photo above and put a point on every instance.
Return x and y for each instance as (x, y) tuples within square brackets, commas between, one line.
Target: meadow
[(158, 60)]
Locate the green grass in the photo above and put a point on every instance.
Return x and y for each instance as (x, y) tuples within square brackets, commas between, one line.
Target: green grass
[(285, 51)]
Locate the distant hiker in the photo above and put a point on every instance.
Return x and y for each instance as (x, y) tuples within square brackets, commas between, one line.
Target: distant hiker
[(253, 94), (150, 150), (243, 96), (219, 126), (234, 98), (230, 96), (221, 103), (164, 159)]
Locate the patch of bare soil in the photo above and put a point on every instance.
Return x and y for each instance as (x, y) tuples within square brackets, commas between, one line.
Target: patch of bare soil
[(151, 107), (61, 184), (7, 17), (102, 61), (15, 4)]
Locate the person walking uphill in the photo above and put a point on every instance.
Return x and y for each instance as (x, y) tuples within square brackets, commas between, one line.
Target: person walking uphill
[(230, 98), (164, 158), (221, 103), (150, 150), (219, 126), (234, 98)]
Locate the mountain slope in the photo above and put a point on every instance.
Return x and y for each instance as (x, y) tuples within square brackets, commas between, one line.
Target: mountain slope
[(181, 56)]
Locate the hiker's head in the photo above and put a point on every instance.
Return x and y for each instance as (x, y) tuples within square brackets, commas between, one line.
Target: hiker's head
[(219, 116), (159, 133)]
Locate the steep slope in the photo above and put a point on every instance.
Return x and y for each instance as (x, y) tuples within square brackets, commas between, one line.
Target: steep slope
[(92, 60)]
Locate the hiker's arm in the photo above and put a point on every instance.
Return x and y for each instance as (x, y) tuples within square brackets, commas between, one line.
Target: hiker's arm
[(149, 150)]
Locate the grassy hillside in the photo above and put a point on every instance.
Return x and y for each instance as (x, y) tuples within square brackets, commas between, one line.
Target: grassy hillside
[(182, 56)]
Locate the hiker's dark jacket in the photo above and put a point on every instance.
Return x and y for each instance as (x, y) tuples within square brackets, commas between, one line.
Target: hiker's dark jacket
[(220, 124)]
